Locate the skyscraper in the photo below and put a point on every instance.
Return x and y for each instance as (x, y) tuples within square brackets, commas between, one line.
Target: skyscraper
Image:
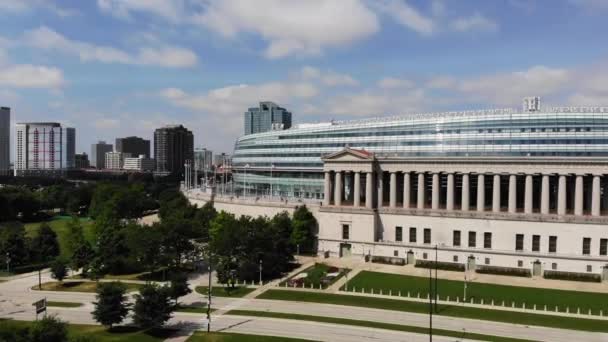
[(268, 116), (136, 146), (173, 145), (203, 159), (5, 140), (98, 154), (44, 149)]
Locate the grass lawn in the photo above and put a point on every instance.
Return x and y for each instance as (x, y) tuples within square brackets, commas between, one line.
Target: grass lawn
[(230, 337), (445, 310), (378, 325), (63, 304), (488, 292), (79, 286), (316, 275), (225, 291), (60, 227), (99, 333)]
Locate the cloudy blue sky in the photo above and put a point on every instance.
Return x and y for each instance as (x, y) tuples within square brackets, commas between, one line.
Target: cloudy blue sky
[(112, 68)]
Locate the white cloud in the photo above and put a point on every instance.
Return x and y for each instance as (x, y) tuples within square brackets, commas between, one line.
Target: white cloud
[(408, 16), (393, 83), (30, 76), (106, 123), (476, 22), (171, 10), (441, 82), (509, 88), (327, 78), (292, 26), (371, 104), (165, 56), (23, 6)]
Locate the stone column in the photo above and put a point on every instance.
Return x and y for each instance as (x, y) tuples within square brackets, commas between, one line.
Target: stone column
[(512, 194), (481, 193), (465, 192), (380, 189), (393, 190), (561, 195), (369, 190), (435, 192), (544, 197), (578, 195), (327, 189), (595, 196), (496, 194), (407, 188), (421, 190), (528, 195), (449, 203), (357, 193), (338, 189)]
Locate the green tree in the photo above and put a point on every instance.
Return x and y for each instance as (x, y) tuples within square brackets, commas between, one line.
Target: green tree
[(304, 229), (179, 286), (59, 269), (13, 243), (146, 244), (112, 250), (74, 237), (48, 329), (178, 234), (44, 245), (82, 257), (152, 306), (112, 304)]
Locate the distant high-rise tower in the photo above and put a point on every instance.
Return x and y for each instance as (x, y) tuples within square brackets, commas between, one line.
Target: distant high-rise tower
[(44, 149), (98, 154), (136, 146), (5, 140), (203, 159), (269, 116), (173, 145)]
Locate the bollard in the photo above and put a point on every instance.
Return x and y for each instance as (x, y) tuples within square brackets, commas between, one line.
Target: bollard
[(448, 299), (481, 301), (429, 296), (472, 301), (418, 295), (457, 299), (362, 290), (589, 312), (556, 308), (492, 302), (390, 292), (372, 291), (408, 294), (320, 287), (545, 307), (567, 309), (601, 312), (512, 304), (534, 306), (354, 289), (381, 292), (503, 303), (578, 311), (312, 285), (524, 306), (399, 293)]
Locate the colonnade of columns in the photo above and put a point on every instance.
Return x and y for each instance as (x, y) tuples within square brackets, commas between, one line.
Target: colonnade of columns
[(559, 194)]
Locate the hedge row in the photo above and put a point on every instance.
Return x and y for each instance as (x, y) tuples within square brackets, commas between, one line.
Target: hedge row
[(446, 266), (573, 276), (508, 271)]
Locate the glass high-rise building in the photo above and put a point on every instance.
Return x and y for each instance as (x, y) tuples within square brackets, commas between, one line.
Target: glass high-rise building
[(98, 154), (173, 145), (5, 140), (136, 146), (267, 117), (44, 149)]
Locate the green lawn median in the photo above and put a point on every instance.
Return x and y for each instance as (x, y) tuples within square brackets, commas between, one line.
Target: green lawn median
[(63, 304), (78, 286), (225, 291), (444, 310), (232, 337), (377, 325), (478, 292)]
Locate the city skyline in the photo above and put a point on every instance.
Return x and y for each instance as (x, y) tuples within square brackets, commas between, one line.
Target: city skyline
[(202, 64)]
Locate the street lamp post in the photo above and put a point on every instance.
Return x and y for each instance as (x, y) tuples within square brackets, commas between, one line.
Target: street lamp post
[(430, 304), (260, 272), (436, 288), (8, 262), (209, 298)]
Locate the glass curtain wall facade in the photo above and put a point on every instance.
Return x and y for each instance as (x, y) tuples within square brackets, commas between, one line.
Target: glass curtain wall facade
[(290, 160)]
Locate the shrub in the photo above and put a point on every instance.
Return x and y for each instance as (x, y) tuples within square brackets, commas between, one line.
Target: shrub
[(573, 276), (446, 266), (388, 260), (508, 271)]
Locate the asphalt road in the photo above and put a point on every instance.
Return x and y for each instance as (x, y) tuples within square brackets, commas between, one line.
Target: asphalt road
[(16, 298)]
